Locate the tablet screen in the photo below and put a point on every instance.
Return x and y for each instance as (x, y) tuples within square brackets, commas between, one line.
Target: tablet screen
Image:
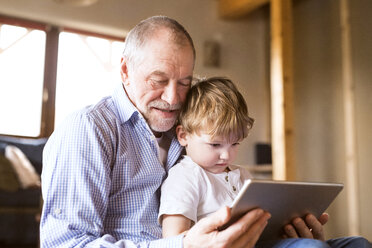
[(284, 200)]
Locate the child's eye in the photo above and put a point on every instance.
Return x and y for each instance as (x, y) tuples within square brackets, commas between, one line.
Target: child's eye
[(236, 144), (214, 145)]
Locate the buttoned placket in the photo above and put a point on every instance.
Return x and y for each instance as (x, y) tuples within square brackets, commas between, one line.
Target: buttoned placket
[(154, 141), (229, 182)]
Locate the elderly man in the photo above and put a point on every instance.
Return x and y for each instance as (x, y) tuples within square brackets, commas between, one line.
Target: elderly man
[(103, 167)]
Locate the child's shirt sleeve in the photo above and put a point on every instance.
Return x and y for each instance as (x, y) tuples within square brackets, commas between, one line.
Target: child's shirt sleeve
[(180, 193)]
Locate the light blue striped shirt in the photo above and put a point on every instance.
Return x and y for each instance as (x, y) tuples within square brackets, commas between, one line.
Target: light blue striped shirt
[(101, 179)]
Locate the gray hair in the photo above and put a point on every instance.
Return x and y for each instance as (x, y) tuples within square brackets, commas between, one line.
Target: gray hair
[(143, 31)]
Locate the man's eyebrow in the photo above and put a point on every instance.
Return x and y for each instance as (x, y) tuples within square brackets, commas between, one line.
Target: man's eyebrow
[(158, 73)]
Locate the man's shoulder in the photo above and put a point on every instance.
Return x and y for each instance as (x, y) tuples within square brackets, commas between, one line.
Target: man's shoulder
[(99, 117), (104, 110)]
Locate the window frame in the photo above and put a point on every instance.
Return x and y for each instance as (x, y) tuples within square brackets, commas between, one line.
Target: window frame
[(50, 67)]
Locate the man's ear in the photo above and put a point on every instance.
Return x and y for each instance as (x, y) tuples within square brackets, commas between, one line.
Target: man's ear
[(181, 135), (124, 71)]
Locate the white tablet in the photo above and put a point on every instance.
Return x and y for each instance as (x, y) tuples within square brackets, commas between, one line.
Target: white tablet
[(284, 200)]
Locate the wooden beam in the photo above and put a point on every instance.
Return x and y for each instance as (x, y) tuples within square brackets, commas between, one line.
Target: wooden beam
[(282, 90), (351, 161), (233, 9), (50, 77)]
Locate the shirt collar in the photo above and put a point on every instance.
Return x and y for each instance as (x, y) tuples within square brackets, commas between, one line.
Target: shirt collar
[(125, 107)]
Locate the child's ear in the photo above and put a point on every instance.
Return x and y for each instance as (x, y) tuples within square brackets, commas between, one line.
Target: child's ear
[(181, 135)]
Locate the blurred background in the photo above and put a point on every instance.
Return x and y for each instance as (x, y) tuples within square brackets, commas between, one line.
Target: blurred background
[(57, 56)]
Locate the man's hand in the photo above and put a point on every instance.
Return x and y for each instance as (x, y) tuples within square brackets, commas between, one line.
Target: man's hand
[(243, 233), (311, 227)]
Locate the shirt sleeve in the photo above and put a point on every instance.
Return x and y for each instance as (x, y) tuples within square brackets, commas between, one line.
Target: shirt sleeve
[(180, 193), (76, 188), (108, 241)]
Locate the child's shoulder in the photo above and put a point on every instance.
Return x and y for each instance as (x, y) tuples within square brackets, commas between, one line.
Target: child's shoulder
[(244, 172), (186, 164), (184, 174)]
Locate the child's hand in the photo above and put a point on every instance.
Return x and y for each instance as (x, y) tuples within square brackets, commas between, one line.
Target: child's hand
[(311, 227)]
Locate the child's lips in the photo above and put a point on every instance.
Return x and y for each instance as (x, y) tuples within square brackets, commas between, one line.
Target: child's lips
[(222, 164)]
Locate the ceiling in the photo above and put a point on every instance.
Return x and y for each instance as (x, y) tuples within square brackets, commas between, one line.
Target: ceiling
[(116, 17)]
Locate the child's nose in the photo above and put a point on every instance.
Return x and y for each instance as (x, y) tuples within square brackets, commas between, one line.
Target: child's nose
[(225, 155)]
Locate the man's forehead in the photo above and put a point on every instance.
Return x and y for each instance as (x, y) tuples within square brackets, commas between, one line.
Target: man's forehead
[(160, 73)]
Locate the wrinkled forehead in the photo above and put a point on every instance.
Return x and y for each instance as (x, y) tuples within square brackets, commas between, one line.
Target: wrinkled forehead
[(165, 41), (162, 57)]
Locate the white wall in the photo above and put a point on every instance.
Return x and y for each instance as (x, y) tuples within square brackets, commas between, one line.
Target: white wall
[(319, 114)]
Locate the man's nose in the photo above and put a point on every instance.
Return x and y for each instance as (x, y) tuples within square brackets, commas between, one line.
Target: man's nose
[(170, 94)]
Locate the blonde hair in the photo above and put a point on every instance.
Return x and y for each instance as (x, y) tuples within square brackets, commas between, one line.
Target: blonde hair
[(216, 107)]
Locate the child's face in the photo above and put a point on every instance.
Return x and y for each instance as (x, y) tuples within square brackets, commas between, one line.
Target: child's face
[(214, 155)]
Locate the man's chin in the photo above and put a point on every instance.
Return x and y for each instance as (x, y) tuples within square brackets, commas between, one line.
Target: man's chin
[(162, 127)]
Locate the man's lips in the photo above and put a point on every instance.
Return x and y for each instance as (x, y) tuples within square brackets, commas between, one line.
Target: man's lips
[(166, 112)]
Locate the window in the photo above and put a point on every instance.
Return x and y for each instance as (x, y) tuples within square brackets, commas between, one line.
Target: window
[(88, 69), (38, 89), (22, 52)]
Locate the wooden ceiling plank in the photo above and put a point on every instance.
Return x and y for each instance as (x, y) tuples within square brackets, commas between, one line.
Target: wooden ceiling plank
[(234, 9)]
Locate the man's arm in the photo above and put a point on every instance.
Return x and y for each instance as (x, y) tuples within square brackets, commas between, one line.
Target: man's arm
[(76, 185)]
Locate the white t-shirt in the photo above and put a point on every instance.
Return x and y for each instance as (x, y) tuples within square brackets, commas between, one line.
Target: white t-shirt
[(195, 193)]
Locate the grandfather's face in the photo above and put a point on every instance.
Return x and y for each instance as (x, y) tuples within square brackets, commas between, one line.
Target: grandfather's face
[(158, 84)]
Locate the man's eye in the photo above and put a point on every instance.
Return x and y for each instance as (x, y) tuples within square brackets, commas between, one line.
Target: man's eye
[(236, 144), (158, 82), (186, 82)]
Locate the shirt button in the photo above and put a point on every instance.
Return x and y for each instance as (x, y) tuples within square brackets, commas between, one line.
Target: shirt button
[(227, 178), (57, 211), (233, 187)]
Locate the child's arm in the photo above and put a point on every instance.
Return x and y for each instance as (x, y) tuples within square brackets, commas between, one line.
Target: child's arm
[(175, 224)]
